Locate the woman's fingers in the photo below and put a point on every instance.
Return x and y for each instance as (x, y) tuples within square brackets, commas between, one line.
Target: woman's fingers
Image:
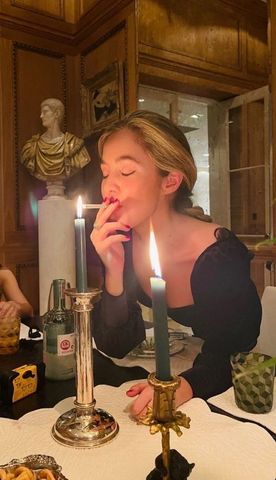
[(107, 229), (8, 309), (136, 389), (144, 400), (104, 244), (105, 212)]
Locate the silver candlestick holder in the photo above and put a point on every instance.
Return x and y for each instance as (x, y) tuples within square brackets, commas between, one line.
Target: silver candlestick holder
[(84, 426)]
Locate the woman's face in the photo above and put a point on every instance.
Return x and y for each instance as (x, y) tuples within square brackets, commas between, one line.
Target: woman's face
[(130, 176), (48, 117)]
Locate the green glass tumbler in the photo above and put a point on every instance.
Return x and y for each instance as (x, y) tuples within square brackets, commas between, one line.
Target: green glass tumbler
[(253, 381)]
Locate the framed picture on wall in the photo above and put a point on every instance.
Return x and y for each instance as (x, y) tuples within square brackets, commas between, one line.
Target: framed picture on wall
[(102, 98)]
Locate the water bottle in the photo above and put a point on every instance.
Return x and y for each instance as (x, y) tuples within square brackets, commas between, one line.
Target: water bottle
[(59, 337)]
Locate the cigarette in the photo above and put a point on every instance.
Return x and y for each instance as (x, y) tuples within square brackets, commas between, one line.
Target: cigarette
[(92, 206)]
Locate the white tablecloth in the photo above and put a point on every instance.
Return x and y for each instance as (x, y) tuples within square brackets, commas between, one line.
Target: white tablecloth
[(226, 402), (222, 448)]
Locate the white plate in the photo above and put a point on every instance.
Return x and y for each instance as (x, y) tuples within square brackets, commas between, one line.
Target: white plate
[(146, 348)]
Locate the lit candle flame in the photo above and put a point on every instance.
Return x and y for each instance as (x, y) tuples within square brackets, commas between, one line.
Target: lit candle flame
[(154, 257), (79, 207)]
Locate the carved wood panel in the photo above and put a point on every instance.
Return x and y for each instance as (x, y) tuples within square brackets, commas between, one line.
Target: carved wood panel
[(192, 30), (104, 52), (256, 49), (86, 5), (54, 8), (212, 44)]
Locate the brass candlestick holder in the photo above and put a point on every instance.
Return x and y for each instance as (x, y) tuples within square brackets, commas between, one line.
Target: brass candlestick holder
[(163, 417), (84, 426)]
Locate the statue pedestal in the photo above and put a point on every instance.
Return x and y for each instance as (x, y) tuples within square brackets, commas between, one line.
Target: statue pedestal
[(56, 239), (55, 189)]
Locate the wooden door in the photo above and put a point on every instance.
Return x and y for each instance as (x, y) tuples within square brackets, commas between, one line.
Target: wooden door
[(240, 164)]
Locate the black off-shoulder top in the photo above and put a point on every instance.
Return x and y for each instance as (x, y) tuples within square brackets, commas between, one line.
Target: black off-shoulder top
[(226, 313)]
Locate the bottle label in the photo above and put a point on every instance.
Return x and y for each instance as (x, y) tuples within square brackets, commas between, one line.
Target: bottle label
[(66, 344)]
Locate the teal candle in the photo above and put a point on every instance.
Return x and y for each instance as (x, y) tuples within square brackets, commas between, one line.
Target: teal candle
[(80, 239), (160, 321)]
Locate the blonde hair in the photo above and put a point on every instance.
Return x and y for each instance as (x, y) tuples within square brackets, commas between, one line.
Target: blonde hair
[(169, 149), (55, 105)]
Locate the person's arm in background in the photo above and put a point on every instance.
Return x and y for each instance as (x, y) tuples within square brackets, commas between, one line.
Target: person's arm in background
[(16, 303)]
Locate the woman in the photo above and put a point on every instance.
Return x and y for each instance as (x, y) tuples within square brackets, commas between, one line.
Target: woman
[(148, 176), (15, 303)]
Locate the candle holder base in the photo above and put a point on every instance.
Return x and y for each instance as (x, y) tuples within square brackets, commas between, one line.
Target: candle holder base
[(85, 427), (161, 418)]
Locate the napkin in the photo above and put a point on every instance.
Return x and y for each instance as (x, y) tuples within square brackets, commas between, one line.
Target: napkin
[(226, 401), (220, 447)]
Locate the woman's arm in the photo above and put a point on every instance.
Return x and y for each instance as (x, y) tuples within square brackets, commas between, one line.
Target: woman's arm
[(118, 325), (16, 303)]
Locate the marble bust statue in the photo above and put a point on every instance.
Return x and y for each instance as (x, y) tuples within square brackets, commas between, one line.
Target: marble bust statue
[(54, 155)]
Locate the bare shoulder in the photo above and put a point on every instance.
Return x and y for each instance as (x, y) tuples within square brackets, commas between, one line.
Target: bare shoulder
[(203, 234), (208, 231), (6, 275)]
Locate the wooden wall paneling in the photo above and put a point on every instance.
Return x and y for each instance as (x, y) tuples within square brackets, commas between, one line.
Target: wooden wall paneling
[(53, 8), (75, 184), (131, 73), (8, 180), (105, 51), (38, 74), (22, 20), (256, 48), (272, 61), (102, 17), (179, 78), (4, 132), (73, 96), (200, 34), (85, 6), (200, 43), (44, 39), (25, 274), (115, 40)]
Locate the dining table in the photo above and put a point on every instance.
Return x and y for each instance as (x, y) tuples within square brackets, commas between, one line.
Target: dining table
[(221, 442)]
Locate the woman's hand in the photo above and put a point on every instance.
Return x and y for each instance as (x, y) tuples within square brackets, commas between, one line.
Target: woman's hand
[(108, 245), (9, 309), (145, 396)]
